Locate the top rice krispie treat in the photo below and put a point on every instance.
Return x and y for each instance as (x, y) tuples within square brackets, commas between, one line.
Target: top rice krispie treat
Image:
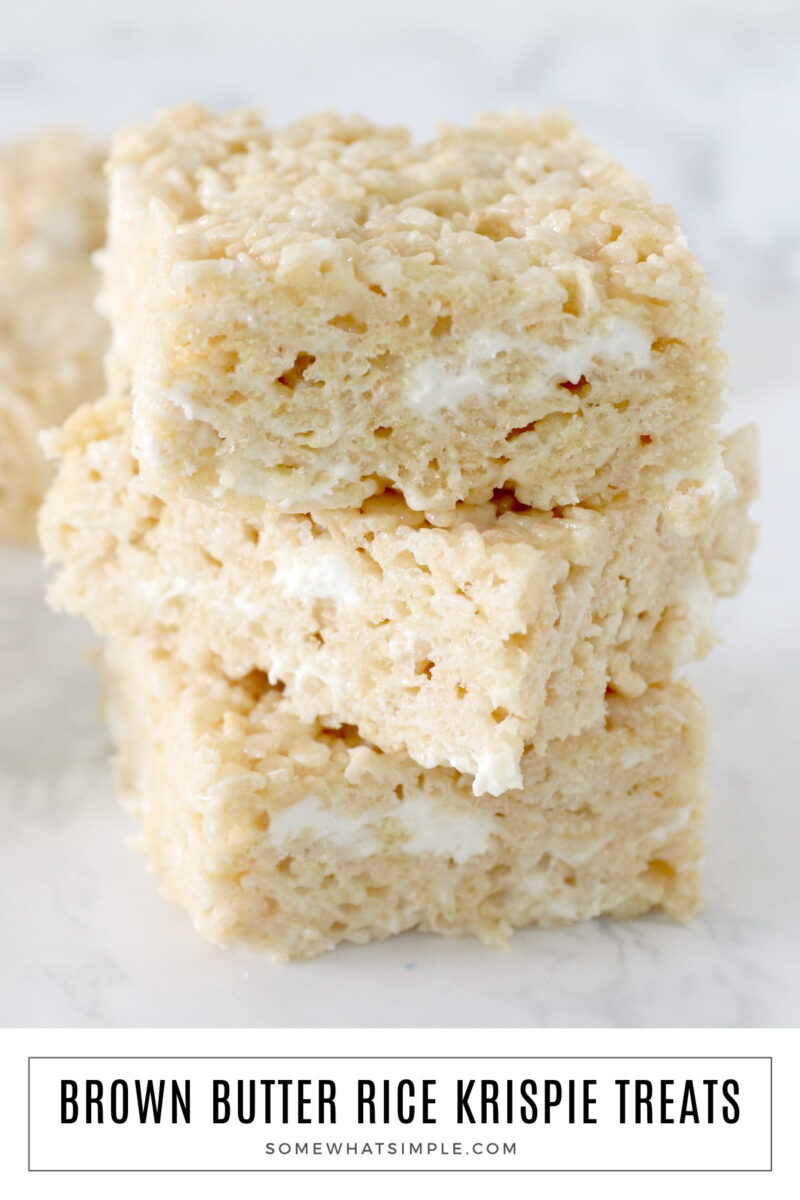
[(52, 341), (311, 315)]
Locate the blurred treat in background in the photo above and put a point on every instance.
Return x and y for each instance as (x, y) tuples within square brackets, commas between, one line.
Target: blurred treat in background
[(52, 341)]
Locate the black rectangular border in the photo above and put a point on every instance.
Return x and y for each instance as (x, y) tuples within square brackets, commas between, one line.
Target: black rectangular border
[(400, 1170)]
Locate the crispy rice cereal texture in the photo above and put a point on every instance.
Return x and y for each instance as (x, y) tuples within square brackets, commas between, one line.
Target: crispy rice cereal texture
[(310, 315), (52, 216), (459, 641), (292, 837), (404, 505)]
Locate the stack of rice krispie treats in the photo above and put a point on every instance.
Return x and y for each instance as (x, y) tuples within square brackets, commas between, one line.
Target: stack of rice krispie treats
[(405, 504), (52, 341)]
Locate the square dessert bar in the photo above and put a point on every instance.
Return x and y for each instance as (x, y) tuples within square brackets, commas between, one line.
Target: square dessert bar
[(459, 639), (293, 837), (52, 216), (310, 316)]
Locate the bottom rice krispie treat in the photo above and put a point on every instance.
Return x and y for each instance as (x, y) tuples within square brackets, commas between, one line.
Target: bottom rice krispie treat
[(294, 837), (52, 341)]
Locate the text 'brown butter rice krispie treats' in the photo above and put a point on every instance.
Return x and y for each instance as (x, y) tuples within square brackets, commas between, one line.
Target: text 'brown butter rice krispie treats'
[(308, 316), (292, 838), (459, 640), (52, 216)]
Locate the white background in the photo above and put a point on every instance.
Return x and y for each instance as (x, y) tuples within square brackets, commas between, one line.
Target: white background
[(603, 1136), (783, 1045), (703, 99)]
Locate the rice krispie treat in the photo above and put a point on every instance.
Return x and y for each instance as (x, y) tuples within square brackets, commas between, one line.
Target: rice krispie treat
[(308, 316), (459, 638), (52, 216), (293, 837)]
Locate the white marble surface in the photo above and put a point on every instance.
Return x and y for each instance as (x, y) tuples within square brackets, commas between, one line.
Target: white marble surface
[(87, 940)]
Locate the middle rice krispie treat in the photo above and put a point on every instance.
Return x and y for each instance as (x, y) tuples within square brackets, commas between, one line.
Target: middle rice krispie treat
[(459, 639), (308, 316)]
